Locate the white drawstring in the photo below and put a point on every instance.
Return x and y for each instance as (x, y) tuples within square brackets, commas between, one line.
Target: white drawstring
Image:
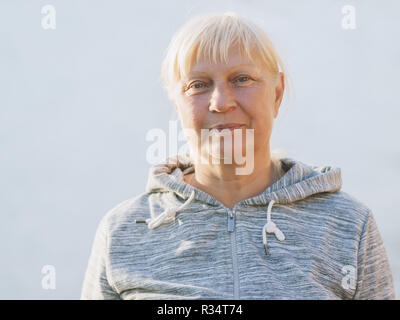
[(168, 214), (270, 227)]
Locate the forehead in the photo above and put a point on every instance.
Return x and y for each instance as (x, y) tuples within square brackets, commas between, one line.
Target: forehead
[(235, 62)]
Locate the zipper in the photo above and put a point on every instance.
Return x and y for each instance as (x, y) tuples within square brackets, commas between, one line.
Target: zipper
[(231, 221), (231, 230)]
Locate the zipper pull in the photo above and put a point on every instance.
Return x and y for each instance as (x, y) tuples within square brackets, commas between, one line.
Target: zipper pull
[(231, 221)]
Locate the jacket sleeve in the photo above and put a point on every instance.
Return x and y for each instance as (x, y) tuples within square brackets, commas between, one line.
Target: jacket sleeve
[(374, 277), (96, 284)]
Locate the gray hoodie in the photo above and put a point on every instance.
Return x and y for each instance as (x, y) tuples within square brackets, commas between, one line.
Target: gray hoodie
[(301, 238)]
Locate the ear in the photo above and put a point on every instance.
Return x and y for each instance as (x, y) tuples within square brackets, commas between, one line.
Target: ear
[(279, 90), (174, 102), (172, 95)]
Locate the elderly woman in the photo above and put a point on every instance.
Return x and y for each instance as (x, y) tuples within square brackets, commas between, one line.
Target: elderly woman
[(235, 220)]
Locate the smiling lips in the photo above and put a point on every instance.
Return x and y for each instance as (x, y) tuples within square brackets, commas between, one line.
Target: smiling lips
[(230, 126)]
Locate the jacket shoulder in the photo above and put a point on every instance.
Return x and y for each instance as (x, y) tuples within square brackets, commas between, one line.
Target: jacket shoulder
[(128, 211), (347, 207)]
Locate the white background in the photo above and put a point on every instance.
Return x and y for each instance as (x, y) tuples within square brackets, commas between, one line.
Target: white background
[(76, 104)]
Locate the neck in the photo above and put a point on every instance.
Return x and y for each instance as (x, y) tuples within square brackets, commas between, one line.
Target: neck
[(222, 182)]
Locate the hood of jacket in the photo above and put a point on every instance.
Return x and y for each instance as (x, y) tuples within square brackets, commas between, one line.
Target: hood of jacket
[(298, 182)]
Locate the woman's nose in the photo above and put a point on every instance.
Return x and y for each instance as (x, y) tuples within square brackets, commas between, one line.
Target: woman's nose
[(222, 98)]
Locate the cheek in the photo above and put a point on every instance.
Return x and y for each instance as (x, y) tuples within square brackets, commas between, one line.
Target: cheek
[(259, 114), (259, 106), (261, 118), (193, 117)]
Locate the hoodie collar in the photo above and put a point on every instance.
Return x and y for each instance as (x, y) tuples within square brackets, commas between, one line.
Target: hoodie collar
[(298, 182)]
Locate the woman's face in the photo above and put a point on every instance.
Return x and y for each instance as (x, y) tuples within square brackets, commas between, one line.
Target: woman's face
[(238, 92)]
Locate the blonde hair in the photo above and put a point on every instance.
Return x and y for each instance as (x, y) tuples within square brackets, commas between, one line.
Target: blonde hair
[(211, 36)]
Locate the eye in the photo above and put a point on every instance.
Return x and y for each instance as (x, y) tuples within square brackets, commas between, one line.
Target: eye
[(242, 79), (196, 85)]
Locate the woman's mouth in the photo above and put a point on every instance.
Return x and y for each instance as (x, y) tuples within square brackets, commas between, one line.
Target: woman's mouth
[(230, 127)]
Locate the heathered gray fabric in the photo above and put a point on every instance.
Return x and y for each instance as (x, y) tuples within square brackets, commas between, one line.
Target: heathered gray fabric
[(195, 256)]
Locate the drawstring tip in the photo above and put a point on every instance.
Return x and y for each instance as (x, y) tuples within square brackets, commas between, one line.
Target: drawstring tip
[(140, 221), (266, 250)]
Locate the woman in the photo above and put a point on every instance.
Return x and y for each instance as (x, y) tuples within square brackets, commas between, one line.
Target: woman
[(277, 229)]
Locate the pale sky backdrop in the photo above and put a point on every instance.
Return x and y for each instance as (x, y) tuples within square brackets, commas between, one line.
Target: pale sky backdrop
[(76, 104)]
